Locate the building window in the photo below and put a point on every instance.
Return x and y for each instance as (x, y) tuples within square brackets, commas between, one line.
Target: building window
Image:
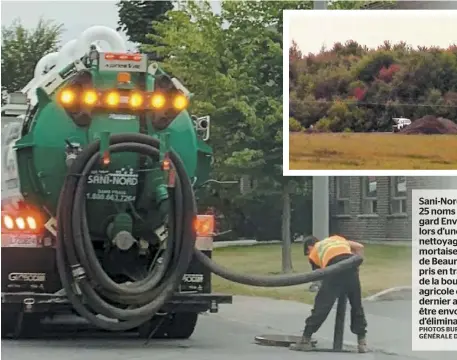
[(369, 195), (398, 195), (343, 190)]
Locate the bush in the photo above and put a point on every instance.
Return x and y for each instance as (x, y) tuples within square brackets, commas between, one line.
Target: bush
[(259, 217), (294, 125)]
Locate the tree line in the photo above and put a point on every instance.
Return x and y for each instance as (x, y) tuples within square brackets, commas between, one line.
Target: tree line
[(351, 87)]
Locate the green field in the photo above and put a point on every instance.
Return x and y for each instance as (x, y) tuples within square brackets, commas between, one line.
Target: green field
[(384, 267), (372, 151)]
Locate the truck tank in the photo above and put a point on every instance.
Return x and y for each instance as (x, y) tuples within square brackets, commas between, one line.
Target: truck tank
[(99, 213)]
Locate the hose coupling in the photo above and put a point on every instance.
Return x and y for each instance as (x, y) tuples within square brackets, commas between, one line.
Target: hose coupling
[(78, 272)]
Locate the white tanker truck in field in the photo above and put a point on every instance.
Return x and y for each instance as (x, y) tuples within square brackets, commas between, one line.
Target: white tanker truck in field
[(400, 124)]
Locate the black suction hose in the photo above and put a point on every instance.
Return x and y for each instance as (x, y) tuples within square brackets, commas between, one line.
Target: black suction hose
[(91, 291)]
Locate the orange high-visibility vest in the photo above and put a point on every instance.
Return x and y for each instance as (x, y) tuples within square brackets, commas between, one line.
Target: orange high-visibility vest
[(327, 249)]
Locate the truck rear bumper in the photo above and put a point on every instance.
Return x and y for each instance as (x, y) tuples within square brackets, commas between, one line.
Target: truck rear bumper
[(52, 303)]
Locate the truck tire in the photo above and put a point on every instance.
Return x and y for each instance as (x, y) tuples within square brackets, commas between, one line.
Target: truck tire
[(174, 326), (155, 326), (30, 327), (182, 325), (8, 324)]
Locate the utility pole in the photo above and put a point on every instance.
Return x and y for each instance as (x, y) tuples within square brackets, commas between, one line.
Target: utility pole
[(320, 5), (321, 198), (426, 5), (321, 206)]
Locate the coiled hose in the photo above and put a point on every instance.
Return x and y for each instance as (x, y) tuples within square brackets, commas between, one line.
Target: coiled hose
[(89, 288)]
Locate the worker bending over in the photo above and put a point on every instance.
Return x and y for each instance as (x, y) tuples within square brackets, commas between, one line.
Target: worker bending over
[(321, 254)]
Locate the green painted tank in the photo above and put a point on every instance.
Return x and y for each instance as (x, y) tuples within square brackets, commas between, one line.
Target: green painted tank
[(98, 95)]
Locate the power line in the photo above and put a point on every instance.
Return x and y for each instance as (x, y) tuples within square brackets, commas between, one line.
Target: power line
[(349, 102)]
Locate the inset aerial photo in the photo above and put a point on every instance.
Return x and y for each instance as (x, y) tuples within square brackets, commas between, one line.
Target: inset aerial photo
[(372, 90)]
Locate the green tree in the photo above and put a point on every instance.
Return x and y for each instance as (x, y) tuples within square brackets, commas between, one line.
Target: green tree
[(243, 97), (22, 48), (379, 4), (233, 64), (391, 80), (136, 17)]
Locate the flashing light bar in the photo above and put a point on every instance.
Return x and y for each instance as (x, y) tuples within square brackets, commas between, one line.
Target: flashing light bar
[(115, 99)]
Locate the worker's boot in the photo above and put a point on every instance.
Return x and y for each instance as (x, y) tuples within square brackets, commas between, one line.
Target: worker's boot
[(362, 344), (304, 344)]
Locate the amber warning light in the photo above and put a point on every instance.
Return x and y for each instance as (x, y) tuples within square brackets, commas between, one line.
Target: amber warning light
[(204, 225), (115, 99)]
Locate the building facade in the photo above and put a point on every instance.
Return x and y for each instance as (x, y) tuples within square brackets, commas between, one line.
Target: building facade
[(377, 208)]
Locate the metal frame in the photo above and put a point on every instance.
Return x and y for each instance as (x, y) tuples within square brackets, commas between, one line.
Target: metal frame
[(43, 303)]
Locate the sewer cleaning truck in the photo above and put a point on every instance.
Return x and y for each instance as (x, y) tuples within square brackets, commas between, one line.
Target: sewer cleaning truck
[(121, 115), (98, 207)]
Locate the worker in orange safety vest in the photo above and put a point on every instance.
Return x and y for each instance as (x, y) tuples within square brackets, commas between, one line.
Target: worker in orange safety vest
[(321, 254)]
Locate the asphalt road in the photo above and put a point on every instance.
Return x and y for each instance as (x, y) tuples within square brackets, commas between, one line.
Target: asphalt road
[(213, 336), (216, 337), (230, 334)]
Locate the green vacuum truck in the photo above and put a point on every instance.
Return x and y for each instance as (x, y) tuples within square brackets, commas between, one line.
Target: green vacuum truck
[(99, 213), (97, 202)]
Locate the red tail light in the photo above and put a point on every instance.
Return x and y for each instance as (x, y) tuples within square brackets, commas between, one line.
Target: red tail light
[(204, 225), (21, 218)]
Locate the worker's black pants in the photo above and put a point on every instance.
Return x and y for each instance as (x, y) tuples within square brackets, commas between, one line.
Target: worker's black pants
[(331, 288)]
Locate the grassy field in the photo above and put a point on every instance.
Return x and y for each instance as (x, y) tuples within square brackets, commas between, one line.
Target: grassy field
[(372, 151), (384, 267)]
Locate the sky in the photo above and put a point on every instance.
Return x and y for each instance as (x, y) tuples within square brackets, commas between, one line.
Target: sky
[(73, 14), (311, 30)]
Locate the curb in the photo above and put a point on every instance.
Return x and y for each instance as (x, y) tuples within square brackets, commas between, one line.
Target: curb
[(242, 243), (299, 240), (232, 243), (395, 293)]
